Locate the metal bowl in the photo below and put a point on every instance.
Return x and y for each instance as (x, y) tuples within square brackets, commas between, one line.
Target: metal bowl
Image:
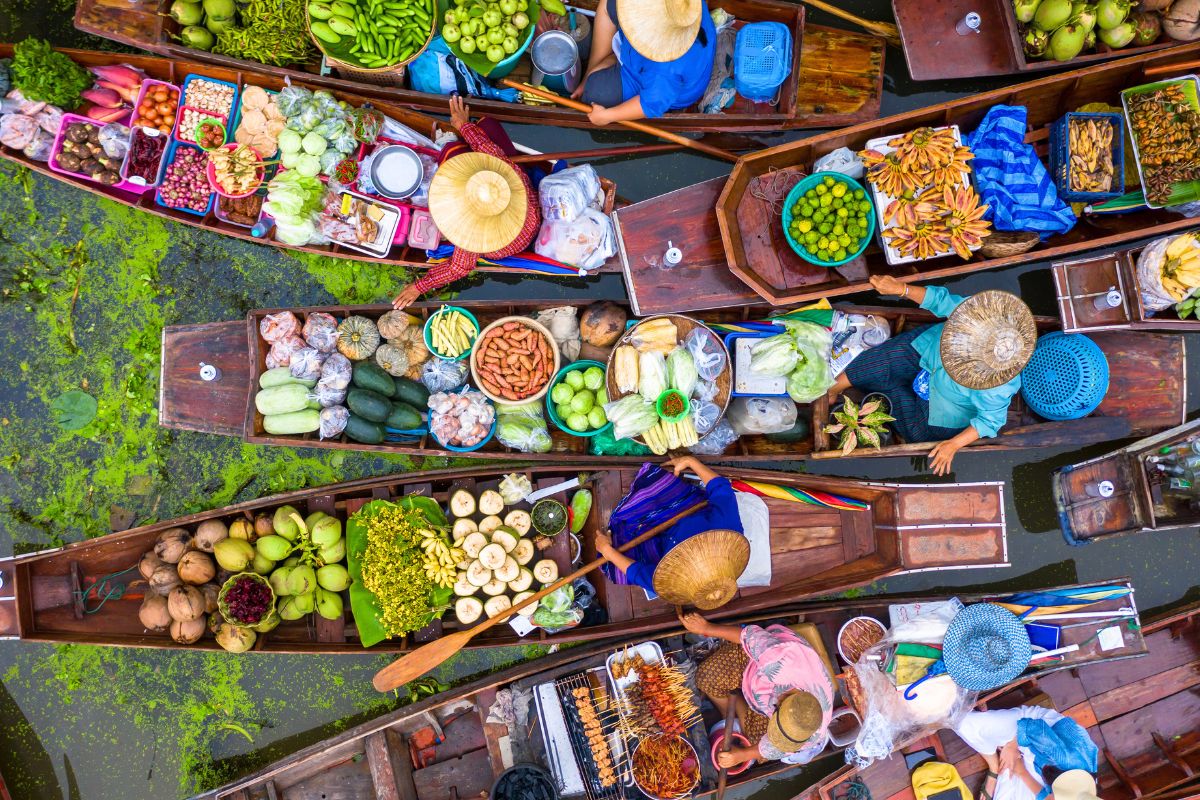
[(396, 171)]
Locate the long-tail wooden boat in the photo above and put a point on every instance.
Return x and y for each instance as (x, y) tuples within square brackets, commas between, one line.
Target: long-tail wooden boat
[(1146, 393), (738, 255), (836, 77), (1144, 715), (1135, 502), (174, 71), (935, 50), (373, 760), (815, 551)]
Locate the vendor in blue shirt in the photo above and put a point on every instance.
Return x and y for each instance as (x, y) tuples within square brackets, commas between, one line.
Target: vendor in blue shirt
[(659, 61), (721, 513), (949, 383)]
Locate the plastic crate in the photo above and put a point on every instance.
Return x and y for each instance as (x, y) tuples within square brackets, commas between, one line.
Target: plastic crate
[(1060, 157), (168, 158), (762, 60), (740, 379), (224, 117), (1066, 378)]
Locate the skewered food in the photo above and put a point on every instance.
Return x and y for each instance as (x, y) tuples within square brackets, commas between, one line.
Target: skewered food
[(593, 731)]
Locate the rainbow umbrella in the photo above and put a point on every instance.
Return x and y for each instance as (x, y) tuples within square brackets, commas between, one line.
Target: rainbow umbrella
[(795, 495), (820, 313), (1060, 601)]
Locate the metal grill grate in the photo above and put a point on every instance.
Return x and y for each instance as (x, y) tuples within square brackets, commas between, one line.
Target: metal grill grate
[(606, 713)]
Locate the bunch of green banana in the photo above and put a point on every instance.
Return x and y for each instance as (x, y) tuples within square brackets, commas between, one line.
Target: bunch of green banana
[(440, 558)]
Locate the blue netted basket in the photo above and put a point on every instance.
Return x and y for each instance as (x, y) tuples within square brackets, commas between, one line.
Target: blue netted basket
[(762, 60), (1066, 378)]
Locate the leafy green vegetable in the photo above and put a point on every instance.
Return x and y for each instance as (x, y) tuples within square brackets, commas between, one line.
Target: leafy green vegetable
[(73, 410), (43, 74)]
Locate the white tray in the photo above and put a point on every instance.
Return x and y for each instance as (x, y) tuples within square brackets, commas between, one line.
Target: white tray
[(387, 227), (650, 652)]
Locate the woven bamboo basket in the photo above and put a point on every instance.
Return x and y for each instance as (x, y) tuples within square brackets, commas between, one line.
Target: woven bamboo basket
[(391, 75), (1002, 244)]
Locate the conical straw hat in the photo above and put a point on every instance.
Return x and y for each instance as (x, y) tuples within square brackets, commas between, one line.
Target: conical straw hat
[(798, 717), (478, 202), (988, 340), (702, 571), (661, 30)]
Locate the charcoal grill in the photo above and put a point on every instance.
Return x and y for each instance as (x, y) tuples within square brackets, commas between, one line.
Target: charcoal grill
[(607, 714)]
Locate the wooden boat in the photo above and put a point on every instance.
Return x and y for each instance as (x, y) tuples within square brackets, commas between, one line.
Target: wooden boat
[(173, 71), (1144, 715), (1079, 285), (738, 255), (1145, 396), (1137, 502), (936, 51), (372, 760), (815, 551), (836, 77)]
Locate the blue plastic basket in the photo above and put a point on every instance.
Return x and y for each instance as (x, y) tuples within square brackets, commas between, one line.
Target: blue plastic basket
[(798, 191), (168, 157), (1066, 378), (1060, 157), (762, 60)]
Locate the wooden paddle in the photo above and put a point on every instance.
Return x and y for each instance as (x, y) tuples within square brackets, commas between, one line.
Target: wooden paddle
[(884, 30), (641, 127), (415, 664), (726, 743)]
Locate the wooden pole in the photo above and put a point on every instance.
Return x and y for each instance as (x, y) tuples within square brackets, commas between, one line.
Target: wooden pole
[(597, 152), (885, 30), (415, 664), (641, 127), (726, 743), (1168, 69)]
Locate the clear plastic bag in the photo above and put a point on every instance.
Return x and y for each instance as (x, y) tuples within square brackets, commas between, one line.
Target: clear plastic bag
[(336, 371), (328, 394), (291, 100), (681, 371), (1149, 271), (114, 140), (563, 324), (320, 331), (707, 351), (278, 326), (444, 376), (842, 160), (17, 131), (280, 354), (585, 242), (704, 416), (564, 195), (631, 416), (40, 146), (762, 414), (705, 392), (523, 428), (717, 440), (306, 363), (333, 421), (652, 376), (49, 119), (460, 419)]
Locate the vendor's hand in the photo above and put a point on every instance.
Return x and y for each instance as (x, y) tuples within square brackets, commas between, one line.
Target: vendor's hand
[(694, 623), (942, 456), (599, 115), (682, 463), (460, 114), (603, 543), (408, 295), (578, 93), (887, 285), (729, 760), (1010, 756)]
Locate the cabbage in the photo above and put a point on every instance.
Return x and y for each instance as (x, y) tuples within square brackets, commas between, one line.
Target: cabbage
[(811, 377), (314, 144), (289, 141), (652, 375), (774, 356), (524, 432), (631, 416), (681, 371), (308, 165), (292, 199)]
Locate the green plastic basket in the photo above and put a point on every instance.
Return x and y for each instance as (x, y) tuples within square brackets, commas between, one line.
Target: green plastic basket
[(794, 195), (553, 414), (427, 332), (662, 398)]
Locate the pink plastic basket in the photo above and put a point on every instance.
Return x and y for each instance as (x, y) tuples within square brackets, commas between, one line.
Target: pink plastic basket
[(212, 174)]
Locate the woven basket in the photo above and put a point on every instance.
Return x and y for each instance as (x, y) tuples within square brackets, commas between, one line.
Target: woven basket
[(1002, 244), (392, 75)]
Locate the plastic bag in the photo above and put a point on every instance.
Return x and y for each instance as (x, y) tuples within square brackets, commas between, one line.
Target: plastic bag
[(461, 419), (329, 394), (17, 131), (811, 377), (306, 363), (556, 611), (320, 331), (681, 371), (605, 444), (1149, 271), (762, 414), (333, 421), (564, 195), (842, 160), (706, 391), (291, 100), (40, 146), (278, 326), (631, 416), (443, 376), (652, 376), (704, 416), (717, 440), (280, 354), (523, 428), (563, 324), (336, 371), (49, 119), (707, 352), (114, 140), (585, 242), (420, 197)]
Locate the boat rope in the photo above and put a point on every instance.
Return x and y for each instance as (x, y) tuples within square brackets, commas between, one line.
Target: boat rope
[(114, 591), (854, 789), (772, 187)]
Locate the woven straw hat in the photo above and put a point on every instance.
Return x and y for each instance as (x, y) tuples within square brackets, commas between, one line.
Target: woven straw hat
[(795, 721), (702, 571), (1075, 784), (478, 202), (661, 30), (988, 340), (985, 646)]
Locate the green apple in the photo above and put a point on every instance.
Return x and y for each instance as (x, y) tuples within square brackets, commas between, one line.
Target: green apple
[(508, 7), (493, 18), (495, 54), (451, 33), (482, 43), (509, 44), (520, 19), (467, 45), (451, 17), (510, 29), (495, 36)]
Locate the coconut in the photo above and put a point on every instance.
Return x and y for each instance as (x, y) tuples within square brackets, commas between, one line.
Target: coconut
[(234, 554), (1182, 21), (1147, 27), (189, 631), (164, 579), (154, 614), (235, 639), (186, 603), (263, 525), (172, 544), (211, 592), (269, 624), (288, 610), (209, 532), (149, 563), (602, 323), (273, 547), (333, 577), (1051, 14), (329, 604), (1084, 14), (1111, 13), (1118, 37), (301, 580), (196, 568), (1025, 9), (325, 531), (243, 529), (1036, 42), (1067, 42), (287, 522)]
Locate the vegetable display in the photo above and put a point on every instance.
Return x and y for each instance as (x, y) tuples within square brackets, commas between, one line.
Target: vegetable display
[(451, 332), (185, 183), (371, 33), (514, 361), (237, 169), (267, 31), (41, 73), (579, 399), (157, 107)]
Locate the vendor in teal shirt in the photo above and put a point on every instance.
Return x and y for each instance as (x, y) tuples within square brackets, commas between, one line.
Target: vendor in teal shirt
[(648, 57), (949, 383)]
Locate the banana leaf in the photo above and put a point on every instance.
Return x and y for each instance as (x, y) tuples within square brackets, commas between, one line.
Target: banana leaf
[(478, 61)]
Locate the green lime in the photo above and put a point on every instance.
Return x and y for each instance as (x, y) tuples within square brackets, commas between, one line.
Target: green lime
[(819, 217), (821, 189), (840, 254), (842, 213), (865, 206), (839, 190), (811, 248), (826, 200), (805, 225), (844, 241), (858, 194), (829, 180), (811, 236), (838, 229), (825, 227)]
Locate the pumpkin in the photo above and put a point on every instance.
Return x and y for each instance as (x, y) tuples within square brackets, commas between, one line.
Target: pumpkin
[(392, 358), (358, 337), (393, 324)]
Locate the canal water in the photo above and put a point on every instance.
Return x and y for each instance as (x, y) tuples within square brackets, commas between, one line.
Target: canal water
[(85, 289)]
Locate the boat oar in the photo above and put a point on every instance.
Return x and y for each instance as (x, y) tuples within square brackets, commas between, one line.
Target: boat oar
[(641, 127), (596, 152), (415, 664), (726, 744), (885, 30)]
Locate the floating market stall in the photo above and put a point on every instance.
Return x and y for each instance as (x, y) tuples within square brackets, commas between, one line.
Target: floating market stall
[(830, 77), (428, 554), (571, 724), (244, 155)]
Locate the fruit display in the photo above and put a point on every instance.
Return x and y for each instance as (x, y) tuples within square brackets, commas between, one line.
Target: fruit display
[(831, 220), (494, 30), (1091, 147), (1060, 30), (578, 399), (1164, 123), (374, 34), (451, 332), (235, 169), (514, 360), (926, 205), (157, 106), (1181, 272)]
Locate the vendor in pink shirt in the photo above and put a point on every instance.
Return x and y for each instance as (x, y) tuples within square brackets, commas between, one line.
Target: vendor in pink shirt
[(786, 693)]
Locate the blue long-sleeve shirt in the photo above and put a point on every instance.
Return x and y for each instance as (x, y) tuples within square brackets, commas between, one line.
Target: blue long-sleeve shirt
[(720, 513), (952, 405), (668, 85)]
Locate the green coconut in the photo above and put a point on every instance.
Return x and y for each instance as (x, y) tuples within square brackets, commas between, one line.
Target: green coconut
[(1067, 42), (1052, 14)]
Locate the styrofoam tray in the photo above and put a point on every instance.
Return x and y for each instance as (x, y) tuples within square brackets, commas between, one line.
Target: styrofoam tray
[(745, 382), (387, 227), (650, 652)]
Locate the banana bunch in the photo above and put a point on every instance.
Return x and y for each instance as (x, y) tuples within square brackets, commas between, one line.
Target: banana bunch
[(1091, 154), (1181, 266), (440, 559)]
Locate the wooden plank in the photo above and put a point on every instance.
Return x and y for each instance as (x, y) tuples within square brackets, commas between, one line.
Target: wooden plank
[(402, 766), (1166, 654), (841, 76), (380, 763), (936, 51), (1148, 389), (1138, 694), (951, 547), (858, 534), (470, 776), (188, 403)]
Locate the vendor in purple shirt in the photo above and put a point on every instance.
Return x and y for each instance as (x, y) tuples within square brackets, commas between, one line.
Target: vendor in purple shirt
[(660, 60), (721, 513)]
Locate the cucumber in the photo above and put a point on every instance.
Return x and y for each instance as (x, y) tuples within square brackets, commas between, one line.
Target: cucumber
[(369, 375), (319, 11), (368, 405), (363, 430), (281, 399), (322, 31), (305, 421), (283, 375), (403, 417)]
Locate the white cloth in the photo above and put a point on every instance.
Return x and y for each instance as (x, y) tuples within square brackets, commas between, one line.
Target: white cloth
[(988, 731), (756, 524)]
